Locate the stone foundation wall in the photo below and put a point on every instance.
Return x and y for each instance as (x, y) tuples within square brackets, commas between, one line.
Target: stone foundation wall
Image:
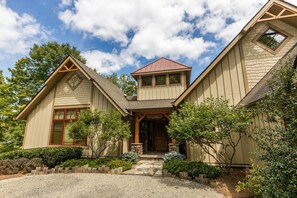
[(137, 148), (173, 147)]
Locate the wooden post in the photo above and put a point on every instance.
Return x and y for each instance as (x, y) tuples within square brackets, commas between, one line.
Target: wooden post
[(136, 129)]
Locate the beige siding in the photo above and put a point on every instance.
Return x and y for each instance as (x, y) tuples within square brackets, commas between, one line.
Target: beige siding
[(161, 92), (101, 103), (38, 124), (66, 96), (259, 61), (225, 80)]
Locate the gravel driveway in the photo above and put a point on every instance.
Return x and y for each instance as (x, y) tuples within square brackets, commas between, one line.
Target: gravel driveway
[(102, 185)]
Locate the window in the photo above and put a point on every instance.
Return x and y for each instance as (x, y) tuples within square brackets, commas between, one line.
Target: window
[(61, 119), (160, 79), (146, 81), (272, 38), (174, 79)]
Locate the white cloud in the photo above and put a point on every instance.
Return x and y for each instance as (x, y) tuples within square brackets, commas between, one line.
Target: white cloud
[(159, 27), (103, 62), (65, 3), (18, 32)]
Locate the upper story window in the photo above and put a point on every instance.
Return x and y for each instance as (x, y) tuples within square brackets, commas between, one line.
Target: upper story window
[(61, 119), (272, 38), (146, 81), (160, 79), (174, 78)]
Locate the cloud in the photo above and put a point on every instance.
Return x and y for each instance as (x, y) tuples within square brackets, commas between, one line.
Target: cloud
[(148, 29), (103, 62), (18, 32)]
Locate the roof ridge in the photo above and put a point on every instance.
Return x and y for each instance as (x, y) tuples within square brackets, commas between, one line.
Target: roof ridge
[(164, 58)]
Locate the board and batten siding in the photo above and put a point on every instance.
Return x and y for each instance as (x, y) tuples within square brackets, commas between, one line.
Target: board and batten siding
[(225, 80), (101, 103), (39, 123), (156, 92), (66, 96), (259, 61)]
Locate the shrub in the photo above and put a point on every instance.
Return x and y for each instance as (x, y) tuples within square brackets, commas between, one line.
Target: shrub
[(173, 155), (96, 163), (119, 163), (74, 162), (21, 165), (192, 168), (129, 156), (51, 156)]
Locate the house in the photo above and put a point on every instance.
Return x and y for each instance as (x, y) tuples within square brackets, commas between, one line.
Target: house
[(239, 73)]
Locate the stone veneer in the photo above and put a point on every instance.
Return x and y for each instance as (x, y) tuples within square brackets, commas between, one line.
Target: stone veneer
[(137, 148), (173, 147)]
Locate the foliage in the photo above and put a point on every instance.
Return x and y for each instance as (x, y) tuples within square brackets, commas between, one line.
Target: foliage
[(50, 156), (99, 162), (211, 123), (119, 163), (125, 82), (277, 148), (192, 168), (173, 155), (129, 156), (27, 77), (21, 165), (101, 128)]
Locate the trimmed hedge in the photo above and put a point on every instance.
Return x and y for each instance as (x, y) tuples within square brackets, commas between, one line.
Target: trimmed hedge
[(21, 165), (192, 168), (96, 163), (51, 156)]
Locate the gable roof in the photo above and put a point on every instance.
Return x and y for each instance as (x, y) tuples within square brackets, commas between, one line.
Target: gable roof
[(260, 15), (261, 89), (161, 64), (108, 89)]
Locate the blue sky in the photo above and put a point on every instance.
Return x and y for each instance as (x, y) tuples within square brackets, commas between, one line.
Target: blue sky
[(119, 36)]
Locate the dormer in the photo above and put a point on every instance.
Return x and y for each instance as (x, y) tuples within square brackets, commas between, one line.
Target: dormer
[(162, 79)]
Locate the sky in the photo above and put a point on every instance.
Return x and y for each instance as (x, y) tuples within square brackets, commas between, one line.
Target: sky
[(122, 35)]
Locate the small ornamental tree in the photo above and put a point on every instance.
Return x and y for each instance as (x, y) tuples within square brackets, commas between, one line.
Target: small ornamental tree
[(276, 144), (101, 128), (212, 124)]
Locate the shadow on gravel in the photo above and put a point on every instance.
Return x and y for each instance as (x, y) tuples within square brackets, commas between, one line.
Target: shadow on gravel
[(175, 182)]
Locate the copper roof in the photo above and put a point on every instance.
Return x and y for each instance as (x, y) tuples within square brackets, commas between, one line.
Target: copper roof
[(161, 64)]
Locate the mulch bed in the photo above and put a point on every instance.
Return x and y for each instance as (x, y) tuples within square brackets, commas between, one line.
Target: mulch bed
[(226, 184)]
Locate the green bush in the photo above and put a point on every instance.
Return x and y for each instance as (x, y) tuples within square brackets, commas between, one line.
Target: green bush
[(74, 162), (192, 168), (129, 156), (21, 165), (119, 163), (173, 155), (51, 156), (96, 163)]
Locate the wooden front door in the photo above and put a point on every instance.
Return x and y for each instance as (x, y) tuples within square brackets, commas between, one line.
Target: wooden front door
[(160, 136)]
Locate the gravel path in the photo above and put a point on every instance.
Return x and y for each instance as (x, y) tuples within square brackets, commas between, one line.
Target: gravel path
[(102, 185)]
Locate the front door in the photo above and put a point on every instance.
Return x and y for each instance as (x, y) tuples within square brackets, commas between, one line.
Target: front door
[(160, 136), (153, 135)]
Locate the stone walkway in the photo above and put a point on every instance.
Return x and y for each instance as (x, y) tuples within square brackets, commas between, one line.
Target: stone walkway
[(146, 167)]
